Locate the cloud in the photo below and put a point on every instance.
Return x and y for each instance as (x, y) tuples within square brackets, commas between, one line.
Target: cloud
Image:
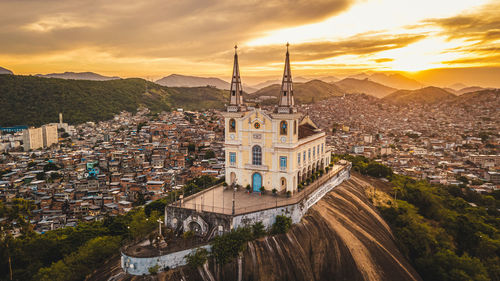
[(482, 25), (362, 44), (149, 29)]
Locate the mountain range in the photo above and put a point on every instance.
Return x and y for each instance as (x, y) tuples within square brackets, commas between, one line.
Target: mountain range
[(78, 76)]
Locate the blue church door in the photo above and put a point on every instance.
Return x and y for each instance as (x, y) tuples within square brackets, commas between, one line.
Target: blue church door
[(256, 182)]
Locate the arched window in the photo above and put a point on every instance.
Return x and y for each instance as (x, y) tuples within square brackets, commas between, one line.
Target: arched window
[(232, 125), (256, 155), (283, 128)]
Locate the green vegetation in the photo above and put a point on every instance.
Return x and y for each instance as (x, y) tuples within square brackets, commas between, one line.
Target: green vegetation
[(198, 258), (227, 247), (366, 166), (74, 252), (442, 235), (36, 101), (281, 225), (79, 264)]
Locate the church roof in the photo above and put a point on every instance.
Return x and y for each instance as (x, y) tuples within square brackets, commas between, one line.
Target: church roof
[(306, 130)]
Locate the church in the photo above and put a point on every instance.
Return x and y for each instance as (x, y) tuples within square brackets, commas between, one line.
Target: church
[(277, 149)]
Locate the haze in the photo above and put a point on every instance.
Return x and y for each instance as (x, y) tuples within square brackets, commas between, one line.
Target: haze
[(436, 42)]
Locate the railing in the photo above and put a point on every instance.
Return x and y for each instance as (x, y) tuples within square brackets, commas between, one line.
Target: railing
[(279, 200)]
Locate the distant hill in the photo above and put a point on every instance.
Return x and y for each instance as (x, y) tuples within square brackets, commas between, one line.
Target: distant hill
[(428, 95), (178, 80), (488, 98), (396, 80), (357, 86), (329, 79), (311, 91), (30, 100), (457, 86), (266, 83), (5, 71), (79, 76), (469, 90)]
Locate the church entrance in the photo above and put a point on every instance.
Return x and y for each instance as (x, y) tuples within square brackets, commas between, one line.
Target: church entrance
[(256, 182)]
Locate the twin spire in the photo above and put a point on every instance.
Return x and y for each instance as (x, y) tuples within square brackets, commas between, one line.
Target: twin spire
[(286, 102), (236, 88)]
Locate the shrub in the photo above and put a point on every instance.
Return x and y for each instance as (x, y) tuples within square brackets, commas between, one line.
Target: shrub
[(275, 191), (188, 234), (154, 269), (197, 258), (258, 230), (281, 225), (228, 246), (288, 193), (248, 187), (262, 189)]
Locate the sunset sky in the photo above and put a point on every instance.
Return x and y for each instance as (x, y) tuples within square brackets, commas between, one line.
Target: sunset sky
[(434, 41)]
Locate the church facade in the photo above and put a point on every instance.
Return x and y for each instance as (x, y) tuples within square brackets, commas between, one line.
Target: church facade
[(278, 149)]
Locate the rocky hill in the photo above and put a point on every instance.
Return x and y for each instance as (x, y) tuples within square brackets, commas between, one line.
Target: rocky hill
[(364, 86), (5, 71), (342, 237), (30, 100), (79, 76), (428, 95), (307, 92)]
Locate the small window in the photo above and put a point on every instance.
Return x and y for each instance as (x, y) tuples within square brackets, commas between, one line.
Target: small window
[(283, 128), (232, 158), (304, 158), (314, 151), (298, 158), (295, 127), (283, 162), (232, 125), (309, 155), (322, 148), (234, 93)]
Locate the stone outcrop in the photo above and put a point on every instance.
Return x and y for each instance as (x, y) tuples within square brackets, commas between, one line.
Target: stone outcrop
[(342, 237)]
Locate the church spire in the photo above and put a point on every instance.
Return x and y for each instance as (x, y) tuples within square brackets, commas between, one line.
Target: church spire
[(286, 92), (236, 93)]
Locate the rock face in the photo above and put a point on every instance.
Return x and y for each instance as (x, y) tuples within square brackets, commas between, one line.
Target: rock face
[(342, 237)]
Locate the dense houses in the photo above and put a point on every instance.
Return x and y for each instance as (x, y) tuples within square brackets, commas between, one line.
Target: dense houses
[(441, 143), (106, 168)]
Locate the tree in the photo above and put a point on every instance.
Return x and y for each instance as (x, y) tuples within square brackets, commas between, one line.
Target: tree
[(281, 225), (209, 154), (197, 258)]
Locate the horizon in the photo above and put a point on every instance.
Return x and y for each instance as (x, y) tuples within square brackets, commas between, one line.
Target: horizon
[(433, 43)]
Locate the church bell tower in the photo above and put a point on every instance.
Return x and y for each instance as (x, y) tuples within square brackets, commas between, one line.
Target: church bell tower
[(286, 103), (236, 94)]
